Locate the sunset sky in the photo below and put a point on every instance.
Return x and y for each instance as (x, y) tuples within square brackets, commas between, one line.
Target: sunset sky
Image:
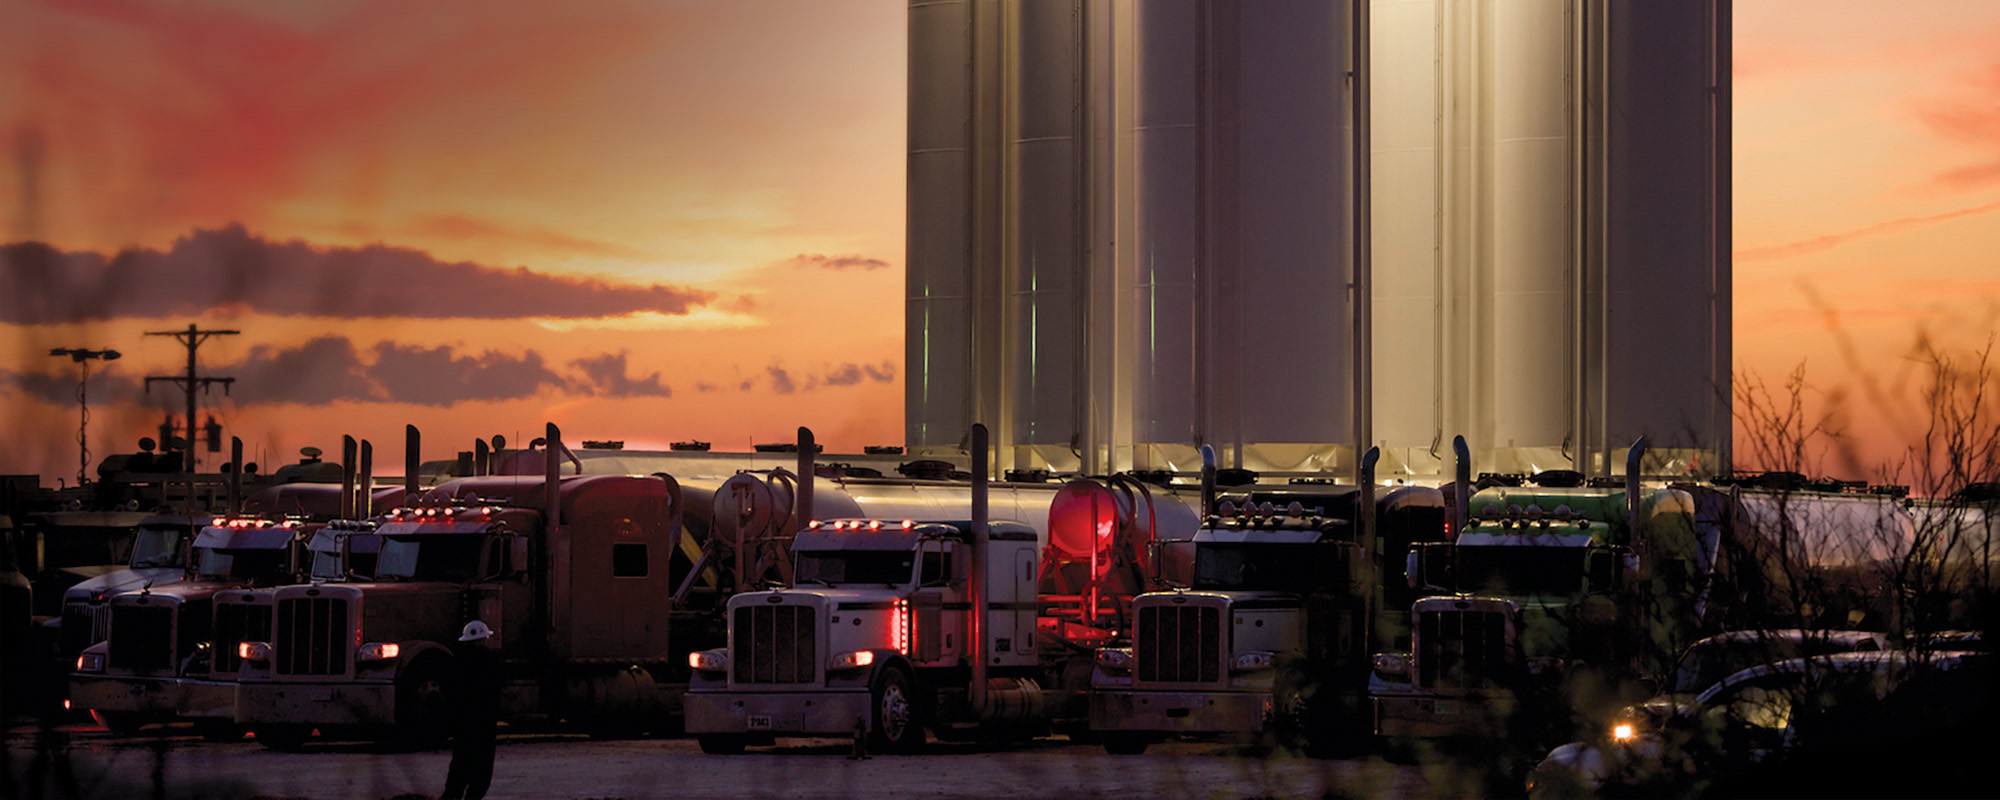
[(656, 221)]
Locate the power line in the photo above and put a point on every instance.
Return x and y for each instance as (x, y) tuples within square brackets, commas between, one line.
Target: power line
[(191, 339)]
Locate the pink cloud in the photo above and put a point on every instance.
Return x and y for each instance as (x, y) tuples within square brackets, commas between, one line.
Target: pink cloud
[(1833, 240)]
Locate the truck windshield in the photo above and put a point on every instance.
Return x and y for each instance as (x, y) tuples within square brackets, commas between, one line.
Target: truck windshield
[(1262, 567), (244, 563), (893, 567), (1521, 569), (437, 557), (157, 547), (326, 565)]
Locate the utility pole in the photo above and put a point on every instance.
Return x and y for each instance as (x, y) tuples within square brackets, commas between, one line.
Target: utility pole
[(192, 339)]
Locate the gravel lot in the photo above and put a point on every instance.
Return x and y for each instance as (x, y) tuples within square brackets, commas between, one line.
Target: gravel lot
[(173, 763)]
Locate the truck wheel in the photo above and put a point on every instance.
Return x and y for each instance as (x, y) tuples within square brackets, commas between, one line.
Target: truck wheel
[(424, 711), (898, 720), (722, 744), (1125, 743)]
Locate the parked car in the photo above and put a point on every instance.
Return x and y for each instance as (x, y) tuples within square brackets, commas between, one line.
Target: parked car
[(1708, 661), (1804, 726)]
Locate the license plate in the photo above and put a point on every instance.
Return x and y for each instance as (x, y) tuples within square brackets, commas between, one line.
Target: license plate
[(760, 722)]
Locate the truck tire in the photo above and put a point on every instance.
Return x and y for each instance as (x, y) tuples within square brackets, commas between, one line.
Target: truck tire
[(722, 744), (1125, 743), (424, 709), (898, 724)]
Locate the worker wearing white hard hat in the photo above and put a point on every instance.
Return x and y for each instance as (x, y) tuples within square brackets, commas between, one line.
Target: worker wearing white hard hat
[(474, 744)]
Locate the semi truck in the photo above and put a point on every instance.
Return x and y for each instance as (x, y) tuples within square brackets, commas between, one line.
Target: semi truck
[(157, 664), (573, 573), (156, 553), (891, 627), (1543, 608), (1269, 635)]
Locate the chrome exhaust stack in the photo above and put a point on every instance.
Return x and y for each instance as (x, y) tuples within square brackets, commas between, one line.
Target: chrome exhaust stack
[(364, 495), (976, 582), (413, 463), (552, 472), (347, 454), (1461, 502)]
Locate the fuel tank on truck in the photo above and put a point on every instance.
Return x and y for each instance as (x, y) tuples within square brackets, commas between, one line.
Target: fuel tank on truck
[(1101, 553)]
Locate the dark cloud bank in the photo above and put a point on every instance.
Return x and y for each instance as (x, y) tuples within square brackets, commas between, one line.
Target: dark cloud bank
[(210, 269), (331, 369)]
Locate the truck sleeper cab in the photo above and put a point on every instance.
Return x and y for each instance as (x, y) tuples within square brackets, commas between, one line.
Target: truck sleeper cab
[(582, 613), (1271, 603), (158, 662), (876, 635)]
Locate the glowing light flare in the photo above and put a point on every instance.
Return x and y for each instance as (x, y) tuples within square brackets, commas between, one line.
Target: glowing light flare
[(1623, 732)]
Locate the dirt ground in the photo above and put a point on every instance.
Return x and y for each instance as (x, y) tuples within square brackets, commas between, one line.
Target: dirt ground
[(80, 762)]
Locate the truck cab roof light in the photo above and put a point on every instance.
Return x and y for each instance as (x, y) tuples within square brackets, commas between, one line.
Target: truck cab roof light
[(909, 524), (874, 524), (813, 525)]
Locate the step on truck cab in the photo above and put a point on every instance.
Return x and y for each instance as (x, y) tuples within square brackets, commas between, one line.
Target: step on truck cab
[(158, 662)]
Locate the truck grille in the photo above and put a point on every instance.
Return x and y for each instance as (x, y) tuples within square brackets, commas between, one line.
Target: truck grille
[(234, 625), (1460, 649), (774, 644), (1179, 644), (142, 638), (312, 636), (84, 625)]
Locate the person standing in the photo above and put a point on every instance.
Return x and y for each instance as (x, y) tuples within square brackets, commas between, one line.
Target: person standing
[(478, 715)]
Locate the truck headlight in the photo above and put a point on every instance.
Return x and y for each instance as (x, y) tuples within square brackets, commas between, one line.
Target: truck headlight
[(1393, 666), (378, 651), (716, 660), (854, 660), (1623, 732), (1116, 659), (90, 662), (253, 651), (1251, 662)]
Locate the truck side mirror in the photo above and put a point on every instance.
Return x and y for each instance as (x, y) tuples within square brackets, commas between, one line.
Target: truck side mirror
[(346, 563), (517, 553), (1413, 568)]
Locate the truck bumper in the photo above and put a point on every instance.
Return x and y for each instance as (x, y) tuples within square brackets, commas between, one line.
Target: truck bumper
[(822, 713), (1427, 716), (156, 697), (1180, 712), (316, 703)]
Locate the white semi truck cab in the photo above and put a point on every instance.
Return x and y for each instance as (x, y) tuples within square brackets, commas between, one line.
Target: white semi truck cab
[(1274, 600), (158, 661), (882, 633)]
